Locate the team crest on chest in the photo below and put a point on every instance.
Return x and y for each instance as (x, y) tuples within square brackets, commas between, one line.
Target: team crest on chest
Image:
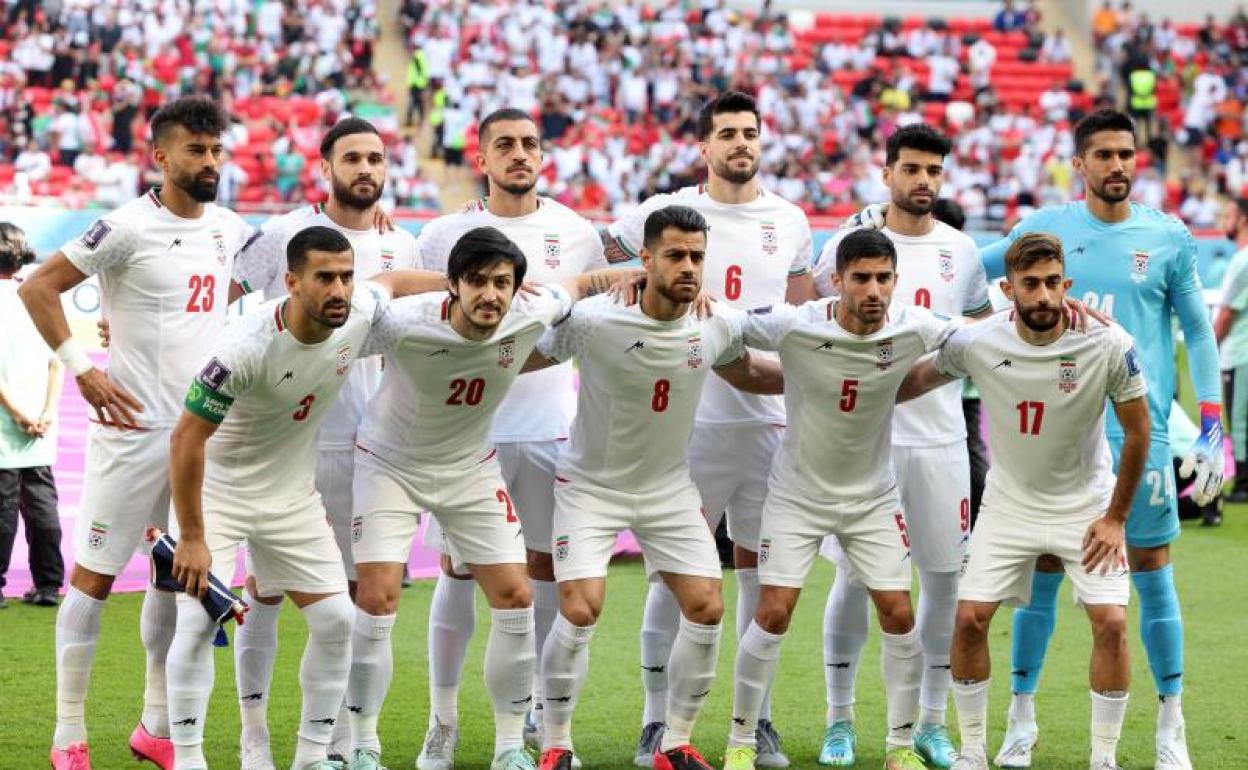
[(387, 259), (695, 351), (551, 241), (883, 354), (344, 360), (506, 353), (944, 264), (218, 240), (771, 240), (1139, 266), (1067, 374)]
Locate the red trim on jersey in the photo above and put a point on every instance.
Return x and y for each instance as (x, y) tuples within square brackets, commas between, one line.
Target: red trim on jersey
[(277, 317), (701, 189), (446, 309), (488, 457), (151, 194), (316, 208)]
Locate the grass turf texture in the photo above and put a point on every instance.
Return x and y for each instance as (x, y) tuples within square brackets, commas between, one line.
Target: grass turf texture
[(1212, 576)]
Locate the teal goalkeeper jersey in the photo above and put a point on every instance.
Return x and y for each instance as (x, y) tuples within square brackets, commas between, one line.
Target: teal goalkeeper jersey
[(1138, 271)]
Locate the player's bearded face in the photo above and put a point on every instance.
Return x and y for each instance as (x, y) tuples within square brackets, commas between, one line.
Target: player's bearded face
[(358, 171), (914, 181), (1039, 296), (1108, 165), (485, 295), (324, 287), (192, 163), (512, 156), (676, 268), (732, 151)]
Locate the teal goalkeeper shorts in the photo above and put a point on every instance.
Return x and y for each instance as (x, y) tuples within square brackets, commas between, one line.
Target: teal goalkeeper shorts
[(1154, 519)]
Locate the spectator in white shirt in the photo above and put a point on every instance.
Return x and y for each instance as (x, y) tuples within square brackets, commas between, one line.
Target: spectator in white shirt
[(32, 162)]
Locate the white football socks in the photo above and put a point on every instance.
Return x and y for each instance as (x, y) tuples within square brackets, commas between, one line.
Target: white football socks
[(1109, 709), (156, 623), (565, 663), (901, 661), (545, 610), (255, 648), (756, 664), (971, 699), (191, 672), (323, 674), (846, 619), (372, 666), (77, 631), (747, 602), (510, 661), (659, 622), (692, 671), (938, 606), (452, 620)]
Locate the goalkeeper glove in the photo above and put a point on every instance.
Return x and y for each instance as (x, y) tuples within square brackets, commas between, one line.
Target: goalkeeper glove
[(870, 218), (1205, 458)]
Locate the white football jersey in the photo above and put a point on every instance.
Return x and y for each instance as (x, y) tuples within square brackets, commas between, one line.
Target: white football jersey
[(165, 286), (270, 392), (439, 391), (840, 389), (1046, 410), (558, 244), (262, 266), (641, 380), (752, 249), (940, 271)]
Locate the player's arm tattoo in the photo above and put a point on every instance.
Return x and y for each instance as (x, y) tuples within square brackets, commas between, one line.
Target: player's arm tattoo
[(612, 249), (598, 284)]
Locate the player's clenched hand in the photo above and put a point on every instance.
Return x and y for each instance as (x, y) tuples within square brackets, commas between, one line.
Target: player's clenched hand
[(1104, 545), (191, 562), (870, 218), (106, 332), (113, 404)]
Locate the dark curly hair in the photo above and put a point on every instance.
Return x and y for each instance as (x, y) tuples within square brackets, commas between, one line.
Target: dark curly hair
[(197, 114), (15, 251)]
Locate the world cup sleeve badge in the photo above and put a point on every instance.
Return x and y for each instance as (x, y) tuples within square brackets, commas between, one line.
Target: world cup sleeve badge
[(506, 353), (1139, 266), (1067, 374)]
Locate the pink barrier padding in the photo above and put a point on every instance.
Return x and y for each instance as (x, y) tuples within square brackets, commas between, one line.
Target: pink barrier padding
[(70, 464)]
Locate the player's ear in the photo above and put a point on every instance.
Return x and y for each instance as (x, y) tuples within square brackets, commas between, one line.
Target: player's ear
[(1007, 289), (291, 281), (1067, 283), (646, 258), (326, 170)]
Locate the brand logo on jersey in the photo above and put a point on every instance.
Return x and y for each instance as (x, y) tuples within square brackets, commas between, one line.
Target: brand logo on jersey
[(1007, 363), (289, 375), (561, 548), (218, 239), (1139, 266), (507, 352), (764, 550), (638, 345), (695, 351), (771, 241), (96, 234), (551, 241), (883, 354), (1067, 374), (1080, 250), (176, 242), (438, 352), (357, 528), (387, 260), (214, 374), (945, 264), (344, 360), (825, 346), (97, 538)]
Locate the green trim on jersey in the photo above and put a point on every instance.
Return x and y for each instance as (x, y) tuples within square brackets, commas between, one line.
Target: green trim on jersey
[(204, 402)]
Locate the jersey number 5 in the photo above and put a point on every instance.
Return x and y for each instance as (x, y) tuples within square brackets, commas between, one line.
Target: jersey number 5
[(203, 293), (849, 395)]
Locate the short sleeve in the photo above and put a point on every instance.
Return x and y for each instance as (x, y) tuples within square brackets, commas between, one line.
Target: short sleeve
[(387, 329), (629, 230), (229, 373), (1184, 277), (376, 298), (1126, 377), (431, 252), (565, 340), (951, 360), (935, 329), (1235, 284), (825, 268), (551, 304), (766, 327), (976, 292), (805, 247), (733, 321), (596, 256), (262, 257), (106, 243)]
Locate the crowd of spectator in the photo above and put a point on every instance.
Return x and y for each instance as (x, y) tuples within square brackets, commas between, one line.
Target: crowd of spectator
[(78, 79)]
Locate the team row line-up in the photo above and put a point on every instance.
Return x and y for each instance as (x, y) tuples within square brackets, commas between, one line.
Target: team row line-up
[(294, 439)]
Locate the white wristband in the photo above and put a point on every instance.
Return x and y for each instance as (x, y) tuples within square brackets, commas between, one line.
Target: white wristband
[(74, 357)]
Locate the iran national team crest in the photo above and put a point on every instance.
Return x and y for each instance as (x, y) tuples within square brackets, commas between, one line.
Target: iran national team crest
[(344, 360), (551, 241), (1139, 266), (561, 548), (1067, 374), (695, 351), (507, 352), (387, 260), (97, 538), (884, 354), (764, 550), (218, 239), (771, 241), (945, 264)]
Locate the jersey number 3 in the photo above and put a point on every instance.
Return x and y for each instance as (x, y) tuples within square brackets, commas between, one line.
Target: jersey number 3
[(305, 406)]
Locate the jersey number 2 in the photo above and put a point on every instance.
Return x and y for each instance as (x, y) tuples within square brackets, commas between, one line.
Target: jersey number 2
[(203, 293)]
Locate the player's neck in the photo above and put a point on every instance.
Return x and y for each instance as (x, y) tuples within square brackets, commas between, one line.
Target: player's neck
[(904, 223), (178, 202), (303, 327), (660, 308), (1046, 337), (1105, 211), (723, 191), (350, 218), (501, 203), (466, 328), (852, 324)]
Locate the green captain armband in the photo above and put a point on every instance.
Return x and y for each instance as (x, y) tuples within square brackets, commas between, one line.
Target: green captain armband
[(206, 403)]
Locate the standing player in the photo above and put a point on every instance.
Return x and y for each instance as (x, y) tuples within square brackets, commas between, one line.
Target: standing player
[(424, 445), (354, 163), (1139, 266), (938, 268), (1050, 489), (844, 360), (642, 369), (1231, 329), (758, 254), (531, 423), (264, 392), (164, 262)]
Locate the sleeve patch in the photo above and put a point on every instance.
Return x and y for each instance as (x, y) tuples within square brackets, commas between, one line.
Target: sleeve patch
[(96, 234), (1133, 362), (214, 374), (207, 404)]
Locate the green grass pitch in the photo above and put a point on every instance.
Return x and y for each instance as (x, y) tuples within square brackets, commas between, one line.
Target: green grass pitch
[(1213, 583)]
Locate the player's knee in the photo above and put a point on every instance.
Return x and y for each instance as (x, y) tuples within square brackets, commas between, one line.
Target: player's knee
[(376, 599), (706, 608), (578, 609), (970, 628), (894, 611), (1148, 559), (91, 583), (772, 616), (513, 595), (1109, 630)]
